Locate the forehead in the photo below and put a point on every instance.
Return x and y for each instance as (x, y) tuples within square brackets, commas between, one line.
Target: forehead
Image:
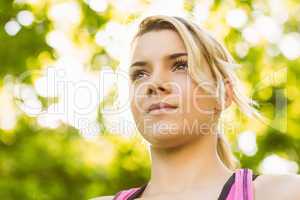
[(156, 44)]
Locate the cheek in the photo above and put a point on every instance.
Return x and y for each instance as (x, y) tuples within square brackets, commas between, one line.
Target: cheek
[(136, 102), (197, 101)]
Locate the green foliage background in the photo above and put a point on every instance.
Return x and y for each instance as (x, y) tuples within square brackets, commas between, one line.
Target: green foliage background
[(46, 163)]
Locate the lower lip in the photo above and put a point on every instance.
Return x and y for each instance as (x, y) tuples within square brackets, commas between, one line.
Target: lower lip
[(162, 111)]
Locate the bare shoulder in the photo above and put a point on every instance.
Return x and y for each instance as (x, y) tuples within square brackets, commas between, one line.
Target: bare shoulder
[(103, 198), (285, 186)]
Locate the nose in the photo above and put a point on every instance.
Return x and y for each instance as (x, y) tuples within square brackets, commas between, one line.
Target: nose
[(158, 86), (155, 90)]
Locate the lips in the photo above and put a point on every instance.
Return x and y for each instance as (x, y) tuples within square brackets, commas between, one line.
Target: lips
[(160, 105)]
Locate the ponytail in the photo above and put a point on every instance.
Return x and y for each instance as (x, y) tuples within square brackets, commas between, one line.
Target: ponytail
[(225, 153)]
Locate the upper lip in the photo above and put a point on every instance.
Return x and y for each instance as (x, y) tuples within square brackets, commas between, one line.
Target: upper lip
[(159, 106)]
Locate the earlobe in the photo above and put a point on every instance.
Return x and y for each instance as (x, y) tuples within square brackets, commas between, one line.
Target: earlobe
[(228, 96)]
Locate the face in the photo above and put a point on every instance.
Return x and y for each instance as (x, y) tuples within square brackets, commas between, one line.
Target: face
[(159, 74)]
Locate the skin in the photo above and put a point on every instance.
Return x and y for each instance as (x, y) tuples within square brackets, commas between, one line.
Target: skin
[(184, 149), (184, 166)]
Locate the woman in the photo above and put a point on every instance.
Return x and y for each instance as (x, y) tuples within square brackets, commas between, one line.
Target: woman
[(181, 79)]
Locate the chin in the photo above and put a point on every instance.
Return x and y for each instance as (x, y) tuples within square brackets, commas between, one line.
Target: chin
[(165, 140)]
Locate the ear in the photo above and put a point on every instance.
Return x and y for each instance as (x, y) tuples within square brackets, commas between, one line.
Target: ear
[(228, 95)]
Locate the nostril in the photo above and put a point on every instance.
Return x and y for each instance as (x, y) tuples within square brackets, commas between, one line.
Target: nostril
[(150, 91), (161, 88)]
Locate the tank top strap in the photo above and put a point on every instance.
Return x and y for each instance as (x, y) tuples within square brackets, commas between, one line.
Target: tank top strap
[(125, 194), (242, 189), (238, 187), (130, 194)]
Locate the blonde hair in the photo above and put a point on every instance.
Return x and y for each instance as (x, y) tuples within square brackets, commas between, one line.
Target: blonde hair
[(201, 46)]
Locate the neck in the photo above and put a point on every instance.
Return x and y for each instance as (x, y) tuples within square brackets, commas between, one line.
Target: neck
[(190, 166)]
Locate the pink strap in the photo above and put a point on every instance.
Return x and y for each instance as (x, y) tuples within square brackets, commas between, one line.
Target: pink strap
[(124, 194), (250, 188), (242, 189)]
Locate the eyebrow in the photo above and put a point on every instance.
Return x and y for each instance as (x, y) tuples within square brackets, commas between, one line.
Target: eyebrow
[(169, 57)]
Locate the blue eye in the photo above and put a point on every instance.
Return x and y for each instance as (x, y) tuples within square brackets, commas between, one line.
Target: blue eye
[(180, 64), (137, 74)]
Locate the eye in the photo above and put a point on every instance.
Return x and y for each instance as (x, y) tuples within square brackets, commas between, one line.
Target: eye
[(137, 74), (180, 64)]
